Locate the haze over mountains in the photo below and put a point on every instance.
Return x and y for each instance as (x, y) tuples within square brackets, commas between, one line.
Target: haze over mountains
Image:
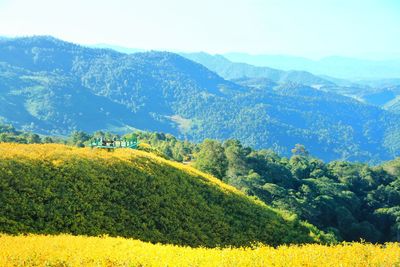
[(353, 69), (51, 86), (336, 66)]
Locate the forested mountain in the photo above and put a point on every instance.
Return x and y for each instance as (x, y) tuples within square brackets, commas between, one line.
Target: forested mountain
[(386, 97), (51, 86), (383, 95), (380, 92)]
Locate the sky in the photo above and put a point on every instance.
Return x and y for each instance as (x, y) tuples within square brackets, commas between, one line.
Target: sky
[(308, 28)]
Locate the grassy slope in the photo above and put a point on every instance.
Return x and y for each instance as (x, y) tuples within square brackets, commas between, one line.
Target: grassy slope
[(55, 188)]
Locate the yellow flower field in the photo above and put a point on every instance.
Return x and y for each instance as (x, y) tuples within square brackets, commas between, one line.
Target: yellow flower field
[(68, 250)]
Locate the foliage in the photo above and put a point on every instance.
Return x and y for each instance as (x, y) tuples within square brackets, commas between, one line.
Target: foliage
[(51, 188), (67, 250), (168, 146), (78, 138), (212, 159), (58, 88), (351, 200), (8, 134)]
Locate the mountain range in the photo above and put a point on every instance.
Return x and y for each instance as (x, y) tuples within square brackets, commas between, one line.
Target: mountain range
[(354, 69), (383, 93), (50, 86), (336, 66)]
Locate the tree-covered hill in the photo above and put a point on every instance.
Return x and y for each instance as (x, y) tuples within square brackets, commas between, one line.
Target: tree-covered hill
[(54, 87), (379, 92), (384, 94), (58, 189)]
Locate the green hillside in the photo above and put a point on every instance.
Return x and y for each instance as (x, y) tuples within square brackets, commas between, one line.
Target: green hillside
[(54, 188)]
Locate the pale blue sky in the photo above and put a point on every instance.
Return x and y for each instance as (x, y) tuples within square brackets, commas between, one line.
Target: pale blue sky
[(311, 28)]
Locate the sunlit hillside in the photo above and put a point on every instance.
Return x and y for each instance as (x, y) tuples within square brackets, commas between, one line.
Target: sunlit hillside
[(59, 189)]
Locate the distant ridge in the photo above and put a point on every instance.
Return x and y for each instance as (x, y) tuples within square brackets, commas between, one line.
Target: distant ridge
[(232, 70), (117, 48), (335, 66)]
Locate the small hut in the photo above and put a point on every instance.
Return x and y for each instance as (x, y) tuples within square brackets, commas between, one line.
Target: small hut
[(101, 142)]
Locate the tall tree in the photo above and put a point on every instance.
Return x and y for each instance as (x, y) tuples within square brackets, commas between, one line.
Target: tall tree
[(236, 157), (212, 159)]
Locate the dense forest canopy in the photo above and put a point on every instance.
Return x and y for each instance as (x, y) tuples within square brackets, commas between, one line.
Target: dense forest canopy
[(59, 87), (352, 200)]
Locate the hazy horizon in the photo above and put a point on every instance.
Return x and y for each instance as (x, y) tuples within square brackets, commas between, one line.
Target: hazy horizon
[(310, 29), (119, 48)]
